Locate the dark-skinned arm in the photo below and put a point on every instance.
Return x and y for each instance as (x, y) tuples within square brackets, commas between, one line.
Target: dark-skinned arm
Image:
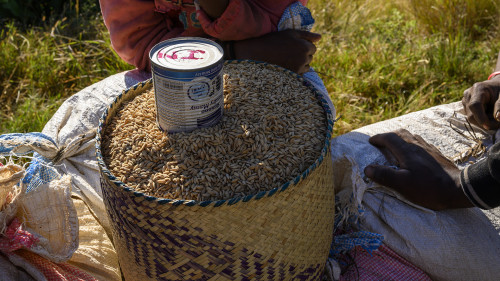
[(427, 178)]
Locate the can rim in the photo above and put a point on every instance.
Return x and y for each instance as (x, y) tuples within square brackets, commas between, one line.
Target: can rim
[(180, 39)]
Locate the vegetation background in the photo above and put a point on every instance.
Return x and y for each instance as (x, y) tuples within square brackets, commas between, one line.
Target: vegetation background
[(379, 59)]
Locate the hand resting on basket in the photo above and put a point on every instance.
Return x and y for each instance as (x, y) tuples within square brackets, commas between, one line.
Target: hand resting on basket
[(425, 176), (213, 8), (291, 49)]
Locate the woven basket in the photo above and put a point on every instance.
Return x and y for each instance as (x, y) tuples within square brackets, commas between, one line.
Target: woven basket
[(280, 234)]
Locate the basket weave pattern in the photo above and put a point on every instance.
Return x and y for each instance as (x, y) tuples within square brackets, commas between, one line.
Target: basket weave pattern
[(281, 234), (278, 237)]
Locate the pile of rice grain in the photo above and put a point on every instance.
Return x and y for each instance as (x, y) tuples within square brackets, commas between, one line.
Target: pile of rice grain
[(273, 129)]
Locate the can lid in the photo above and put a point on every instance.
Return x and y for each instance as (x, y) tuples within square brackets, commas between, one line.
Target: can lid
[(186, 53)]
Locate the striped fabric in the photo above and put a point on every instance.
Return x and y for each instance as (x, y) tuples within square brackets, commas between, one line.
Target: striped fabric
[(54, 271), (16, 238), (367, 240), (382, 264), (481, 180)]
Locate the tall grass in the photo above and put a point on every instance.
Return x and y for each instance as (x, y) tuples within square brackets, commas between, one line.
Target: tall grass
[(379, 59), (41, 66), (474, 18)]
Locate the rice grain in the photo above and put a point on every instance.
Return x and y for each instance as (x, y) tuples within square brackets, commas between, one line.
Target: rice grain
[(272, 129)]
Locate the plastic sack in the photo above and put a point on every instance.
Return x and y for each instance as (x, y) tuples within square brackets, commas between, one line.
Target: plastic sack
[(462, 244), (73, 128)]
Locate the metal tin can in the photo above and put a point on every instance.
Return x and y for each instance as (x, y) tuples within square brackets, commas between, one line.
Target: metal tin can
[(187, 80)]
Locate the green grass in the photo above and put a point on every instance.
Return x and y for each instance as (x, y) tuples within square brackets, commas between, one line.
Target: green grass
[(379, 59), (42, 66)]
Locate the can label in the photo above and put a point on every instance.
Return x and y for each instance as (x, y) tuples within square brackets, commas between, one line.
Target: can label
[(187, 78)]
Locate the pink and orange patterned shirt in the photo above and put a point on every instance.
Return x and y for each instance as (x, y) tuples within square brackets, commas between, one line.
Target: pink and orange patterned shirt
[(135, 26)]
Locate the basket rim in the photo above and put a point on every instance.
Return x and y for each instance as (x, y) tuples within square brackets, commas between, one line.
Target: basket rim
[(231, 201)]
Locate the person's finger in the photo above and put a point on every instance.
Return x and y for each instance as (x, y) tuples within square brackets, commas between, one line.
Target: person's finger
[(308, 60), (464, 105), (470, 117), (389, 156), (434, 152), (477, 106), (467, 93), (387, 176), (496, 109), (302, 67), (393, 143), (466, 99), (406, 136), (309, 36), (310, 47), (302, 70), (425, 145)]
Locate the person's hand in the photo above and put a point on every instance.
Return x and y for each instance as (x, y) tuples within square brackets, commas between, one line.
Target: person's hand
[(482, 103), (213, 8), (291, 49), (425, 176)]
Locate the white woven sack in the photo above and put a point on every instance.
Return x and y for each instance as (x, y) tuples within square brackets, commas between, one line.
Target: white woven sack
[(75, 122), (46, 212), (448, 245), (49, 213)]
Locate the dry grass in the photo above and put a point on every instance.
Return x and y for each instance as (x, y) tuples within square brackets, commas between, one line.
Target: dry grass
[(379, 59), (475, 18)]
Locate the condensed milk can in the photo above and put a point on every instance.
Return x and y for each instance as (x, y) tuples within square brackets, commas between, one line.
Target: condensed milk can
[(188, 83)]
